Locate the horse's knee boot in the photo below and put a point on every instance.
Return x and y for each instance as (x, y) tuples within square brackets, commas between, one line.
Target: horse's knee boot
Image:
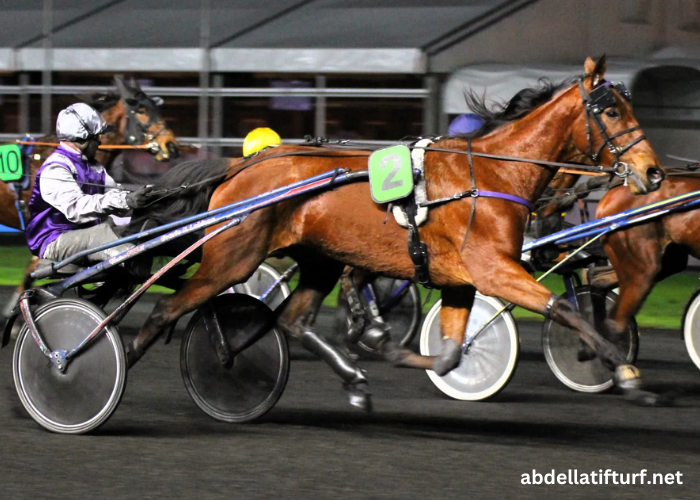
[(449, 357), (375, 337), (354, 379)]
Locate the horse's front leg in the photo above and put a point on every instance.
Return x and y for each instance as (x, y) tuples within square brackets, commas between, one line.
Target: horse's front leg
[(513, 283), (454, 316)]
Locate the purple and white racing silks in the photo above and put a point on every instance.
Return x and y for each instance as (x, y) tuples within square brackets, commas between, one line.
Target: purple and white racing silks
[(69, 194)]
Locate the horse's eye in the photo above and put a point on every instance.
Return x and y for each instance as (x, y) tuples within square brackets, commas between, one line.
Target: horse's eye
[(612, 113), (141, 111)]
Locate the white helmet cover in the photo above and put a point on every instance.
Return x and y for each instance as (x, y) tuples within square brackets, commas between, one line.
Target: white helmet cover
[(78, 122)]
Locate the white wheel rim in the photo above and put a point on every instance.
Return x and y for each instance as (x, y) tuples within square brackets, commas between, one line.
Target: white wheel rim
[(566, 379), (263, 277), (689, 328), (24, 339), (456, 383)]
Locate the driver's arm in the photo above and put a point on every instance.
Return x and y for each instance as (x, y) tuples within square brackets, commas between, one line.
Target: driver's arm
[(59, 189)]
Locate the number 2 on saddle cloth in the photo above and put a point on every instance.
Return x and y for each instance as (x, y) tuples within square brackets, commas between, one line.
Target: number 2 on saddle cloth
[(391, 180)]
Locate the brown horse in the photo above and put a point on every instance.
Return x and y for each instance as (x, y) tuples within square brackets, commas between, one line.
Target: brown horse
[(133, 117), (645, 254), (344, 226)]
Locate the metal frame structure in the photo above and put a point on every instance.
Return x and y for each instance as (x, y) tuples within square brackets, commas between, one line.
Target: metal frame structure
[(214, 55), (215, 94)]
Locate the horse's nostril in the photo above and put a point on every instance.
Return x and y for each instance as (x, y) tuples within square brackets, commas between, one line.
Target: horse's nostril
[(655, 175), (172, 149)]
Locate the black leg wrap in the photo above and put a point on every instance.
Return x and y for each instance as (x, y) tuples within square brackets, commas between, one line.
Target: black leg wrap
[(449, 357)]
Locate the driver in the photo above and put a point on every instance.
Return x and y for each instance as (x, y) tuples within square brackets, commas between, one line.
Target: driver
[(73, 195)]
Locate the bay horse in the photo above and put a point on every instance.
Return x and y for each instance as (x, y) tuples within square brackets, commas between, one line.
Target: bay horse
[(647, 253), (324, 232), (133, 118)]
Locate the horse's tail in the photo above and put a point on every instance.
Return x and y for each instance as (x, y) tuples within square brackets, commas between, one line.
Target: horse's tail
[(198, 178)]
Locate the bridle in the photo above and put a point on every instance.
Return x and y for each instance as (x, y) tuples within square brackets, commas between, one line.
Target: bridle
[(137, 131), (595, 103)]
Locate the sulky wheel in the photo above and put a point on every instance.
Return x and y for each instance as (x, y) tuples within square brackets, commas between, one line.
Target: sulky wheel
[(489, 363), (251, 383), (261, 280), (89, 391), (691, 327), (561, 346)]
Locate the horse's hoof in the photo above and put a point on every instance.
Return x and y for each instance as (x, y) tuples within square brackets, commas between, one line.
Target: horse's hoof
[(132, 355), (628, 378), (648, 399), (448, 359), (394, 353), (359, 396)]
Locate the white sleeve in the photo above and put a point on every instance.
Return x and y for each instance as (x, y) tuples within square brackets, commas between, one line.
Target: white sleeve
[(110, 183), (60, 190)]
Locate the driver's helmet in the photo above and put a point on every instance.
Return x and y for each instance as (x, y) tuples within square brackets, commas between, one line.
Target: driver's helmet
[(79, 122), (259, 139)]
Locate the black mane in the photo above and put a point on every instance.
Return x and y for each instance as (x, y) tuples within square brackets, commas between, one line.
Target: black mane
[(519, 105)]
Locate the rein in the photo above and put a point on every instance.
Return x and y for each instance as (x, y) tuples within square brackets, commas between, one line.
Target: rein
[(109, 146)]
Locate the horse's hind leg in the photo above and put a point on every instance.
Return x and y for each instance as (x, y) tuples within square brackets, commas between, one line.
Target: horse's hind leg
[(318, 276), (27, 283), (225, 262)]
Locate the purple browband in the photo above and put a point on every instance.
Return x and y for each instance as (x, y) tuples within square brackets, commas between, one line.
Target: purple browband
[(503, 196)]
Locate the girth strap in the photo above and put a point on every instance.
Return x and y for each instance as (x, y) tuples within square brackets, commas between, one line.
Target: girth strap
[(417, 249)]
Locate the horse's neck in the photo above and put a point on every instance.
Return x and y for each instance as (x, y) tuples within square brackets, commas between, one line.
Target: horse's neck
[(544, 134)]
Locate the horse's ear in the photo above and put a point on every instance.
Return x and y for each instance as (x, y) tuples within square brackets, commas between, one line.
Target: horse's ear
[(121, 86), (86, 97), (596, 70)]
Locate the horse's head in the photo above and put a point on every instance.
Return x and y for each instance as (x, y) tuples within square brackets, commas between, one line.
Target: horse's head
[(609, 134), (142, 122), (134, 118)]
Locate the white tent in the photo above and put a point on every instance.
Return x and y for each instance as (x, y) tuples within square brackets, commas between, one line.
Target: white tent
[(499, 82)]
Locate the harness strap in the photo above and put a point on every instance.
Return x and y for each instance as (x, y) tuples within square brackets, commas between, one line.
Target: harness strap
[(417, 249), (473, 179)]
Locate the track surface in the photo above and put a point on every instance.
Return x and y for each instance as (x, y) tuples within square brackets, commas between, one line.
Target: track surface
[(416, 445)]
